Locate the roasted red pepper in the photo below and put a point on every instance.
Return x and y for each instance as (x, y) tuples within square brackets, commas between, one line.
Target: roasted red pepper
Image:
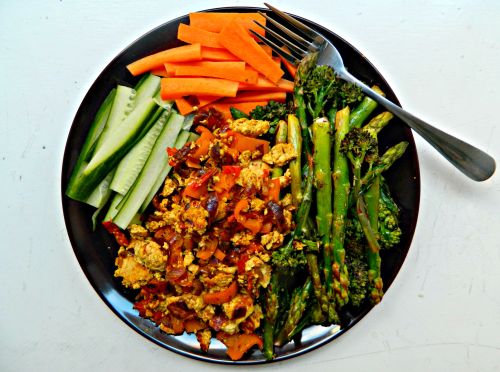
[(119, 235)]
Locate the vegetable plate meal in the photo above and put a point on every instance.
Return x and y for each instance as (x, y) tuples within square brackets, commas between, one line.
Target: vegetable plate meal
[(247, 195)]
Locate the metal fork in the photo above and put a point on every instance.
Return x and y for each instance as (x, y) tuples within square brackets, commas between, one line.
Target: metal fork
[(471, 161)]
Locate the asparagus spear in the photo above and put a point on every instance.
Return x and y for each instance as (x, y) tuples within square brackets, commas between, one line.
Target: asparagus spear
[(340, 203), (375, 280), (280, 137), (295, 138), (281, 258), (371, 197), (384, 163), (363, 110), (323, 184), (304, 68), (297, 308)]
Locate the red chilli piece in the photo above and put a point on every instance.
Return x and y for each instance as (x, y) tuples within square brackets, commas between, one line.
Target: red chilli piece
[(114, 230)]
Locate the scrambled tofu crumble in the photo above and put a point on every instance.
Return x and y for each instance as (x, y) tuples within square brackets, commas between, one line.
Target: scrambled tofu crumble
[(202, 257)]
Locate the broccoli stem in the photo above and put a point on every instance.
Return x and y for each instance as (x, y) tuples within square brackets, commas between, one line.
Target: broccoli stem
[(373, 256), (280, 137), (297, 308), (340, 202), (363, 110), (295, 138)]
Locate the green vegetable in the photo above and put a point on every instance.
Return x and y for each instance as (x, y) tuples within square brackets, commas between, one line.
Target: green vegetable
[(324, 189), (156, 165), (272, 112), (340, 207), (237, 114), (95, 131)]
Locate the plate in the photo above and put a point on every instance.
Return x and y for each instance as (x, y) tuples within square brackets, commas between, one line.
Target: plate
[(96, 250)]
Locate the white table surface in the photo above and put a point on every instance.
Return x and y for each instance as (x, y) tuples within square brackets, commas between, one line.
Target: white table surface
[(442, 58)]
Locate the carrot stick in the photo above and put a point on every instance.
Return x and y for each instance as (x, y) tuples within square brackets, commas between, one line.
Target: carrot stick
[(215, 22), (230, 70), (235, 39), (217, 54), (180, 54), (253, 96), (289, 66), (172, 88), (267, 49), (186, 105), (160, 71), (245, 107), (282, 85), (195, 35)]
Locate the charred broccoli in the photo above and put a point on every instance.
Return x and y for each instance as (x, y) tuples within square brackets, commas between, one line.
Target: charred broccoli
[(323, 90), (358, 271), (272, 112), (388, 217)]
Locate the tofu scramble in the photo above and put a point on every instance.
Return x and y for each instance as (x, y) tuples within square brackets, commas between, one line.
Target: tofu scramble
[(202, 256)]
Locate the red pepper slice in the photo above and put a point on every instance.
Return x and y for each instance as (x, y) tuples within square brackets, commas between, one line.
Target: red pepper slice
[(119, 235)]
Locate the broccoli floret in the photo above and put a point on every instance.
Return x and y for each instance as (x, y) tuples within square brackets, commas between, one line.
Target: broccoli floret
[(388, 224), (289, 260), (323, 90), (357, 267), (388, 217), (272, 112), (359, 145)]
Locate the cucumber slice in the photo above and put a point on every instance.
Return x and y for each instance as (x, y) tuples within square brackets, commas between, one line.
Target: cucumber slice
[(112, 150), (130, 166), (179, 142), (147, 87), (167, 105), (95, 131), (102, 192), (156, 164), (123, 105), (113, 207)]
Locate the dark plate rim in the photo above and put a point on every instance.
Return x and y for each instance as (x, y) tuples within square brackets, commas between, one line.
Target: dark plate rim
[(66, 159)]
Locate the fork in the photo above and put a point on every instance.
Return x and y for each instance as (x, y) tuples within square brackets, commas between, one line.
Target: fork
[(474, 163)]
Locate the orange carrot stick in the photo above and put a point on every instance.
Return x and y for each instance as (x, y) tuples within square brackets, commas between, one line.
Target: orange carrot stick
[(180, 54), (253, 96), (172, 88), (186, 105), (292, 69), (217, 54), (245, 107), (195, 35), (216, 21), (160, 71), (267, 49), (229, 70), (235, 39), (282, 85)]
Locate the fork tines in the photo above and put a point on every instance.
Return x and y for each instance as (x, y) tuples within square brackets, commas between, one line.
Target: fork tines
[(299, 47)]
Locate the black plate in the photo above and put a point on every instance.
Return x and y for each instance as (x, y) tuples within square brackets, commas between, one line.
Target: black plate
[(96, 250)]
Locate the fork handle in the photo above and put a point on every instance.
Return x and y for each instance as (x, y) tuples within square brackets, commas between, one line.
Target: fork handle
[(474, 163)]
